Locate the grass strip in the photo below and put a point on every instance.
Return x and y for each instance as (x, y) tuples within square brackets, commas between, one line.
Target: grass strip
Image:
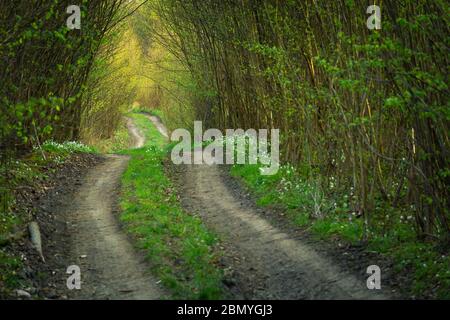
[(179, 247)]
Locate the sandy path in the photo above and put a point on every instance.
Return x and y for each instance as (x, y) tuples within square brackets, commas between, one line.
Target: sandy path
[(272, 264), (110, 266)]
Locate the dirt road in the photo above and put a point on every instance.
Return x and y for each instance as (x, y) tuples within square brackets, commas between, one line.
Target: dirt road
[(110, 266), (267, 263)]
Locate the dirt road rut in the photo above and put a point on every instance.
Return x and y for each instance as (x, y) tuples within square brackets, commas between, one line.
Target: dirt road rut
[(270, 263), (110, 266)]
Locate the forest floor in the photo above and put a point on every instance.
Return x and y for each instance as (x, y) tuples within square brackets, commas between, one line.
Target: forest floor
[(261, 256)]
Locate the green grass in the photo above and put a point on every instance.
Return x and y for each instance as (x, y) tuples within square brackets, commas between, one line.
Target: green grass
[(158, 113), (178, 246), (393, 237)]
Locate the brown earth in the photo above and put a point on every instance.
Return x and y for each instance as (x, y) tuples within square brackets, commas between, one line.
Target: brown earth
[(78, 218), (264, 257)]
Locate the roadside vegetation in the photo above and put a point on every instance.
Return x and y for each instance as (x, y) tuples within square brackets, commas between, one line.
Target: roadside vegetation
[(26, 174), (180, 249), (329, 216)]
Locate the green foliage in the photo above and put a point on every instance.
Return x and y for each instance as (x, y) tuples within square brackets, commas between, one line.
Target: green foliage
[(45, 68), (110, 90), (368, 107)]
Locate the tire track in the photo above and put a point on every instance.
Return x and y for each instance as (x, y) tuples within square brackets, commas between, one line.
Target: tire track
[(110, 266), (270, 263)]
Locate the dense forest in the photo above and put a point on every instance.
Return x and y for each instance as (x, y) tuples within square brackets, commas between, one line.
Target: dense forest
[(363, 113), (366, 110)]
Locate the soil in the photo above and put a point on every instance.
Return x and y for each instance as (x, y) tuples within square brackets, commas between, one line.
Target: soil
[(265, 257), (42, 201), (78, 218)]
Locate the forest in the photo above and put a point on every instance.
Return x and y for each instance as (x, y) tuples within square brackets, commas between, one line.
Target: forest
[(363, 114)]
